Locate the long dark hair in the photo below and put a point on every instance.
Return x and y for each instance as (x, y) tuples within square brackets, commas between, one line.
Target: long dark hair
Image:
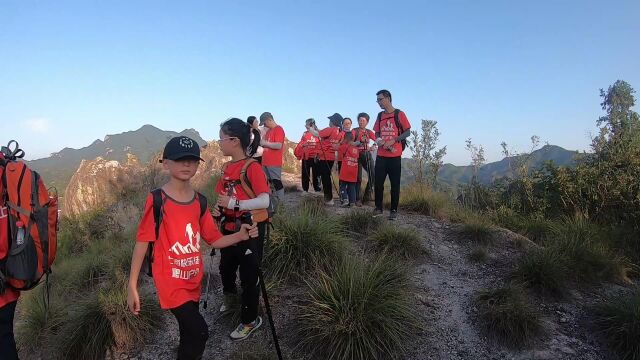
[(237, 128)]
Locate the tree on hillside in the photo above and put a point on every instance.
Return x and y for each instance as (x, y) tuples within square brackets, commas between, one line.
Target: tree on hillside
[(425, 155), (520, 189), (477, 158)]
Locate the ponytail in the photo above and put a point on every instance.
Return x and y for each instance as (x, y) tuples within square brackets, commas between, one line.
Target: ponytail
[(253, 147)]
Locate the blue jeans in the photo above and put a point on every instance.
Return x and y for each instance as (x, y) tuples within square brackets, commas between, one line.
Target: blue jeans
[(348, 192)]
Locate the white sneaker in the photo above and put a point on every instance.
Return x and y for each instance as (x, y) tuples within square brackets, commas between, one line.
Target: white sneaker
[(243, 331)]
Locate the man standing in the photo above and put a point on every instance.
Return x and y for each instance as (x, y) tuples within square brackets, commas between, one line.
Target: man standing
[(392, 128), (329, 142), (364, 136), (273, 144)]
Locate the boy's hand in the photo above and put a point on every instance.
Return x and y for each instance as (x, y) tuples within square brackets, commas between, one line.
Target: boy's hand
[(248, 231), (133, 300), (389, 143), (223, 200)]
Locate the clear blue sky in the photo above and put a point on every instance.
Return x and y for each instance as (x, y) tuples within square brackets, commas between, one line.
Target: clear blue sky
[(72, 72)]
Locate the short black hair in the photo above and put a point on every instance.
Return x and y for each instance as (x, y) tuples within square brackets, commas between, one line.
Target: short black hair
[(364, 115), (265, 116), (251, 120), (385, 93), (347, 118)]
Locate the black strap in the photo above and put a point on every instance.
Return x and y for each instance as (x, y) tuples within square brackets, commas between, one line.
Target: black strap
[(157, 218), (396, 118), (203, 203)]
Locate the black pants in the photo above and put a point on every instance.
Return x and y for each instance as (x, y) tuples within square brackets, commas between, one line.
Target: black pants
[(339, 166), (310, 174), (259, 159), (391, 166), (246, 255), (365, 162), (7, 341), (194, 331), (325, 173)]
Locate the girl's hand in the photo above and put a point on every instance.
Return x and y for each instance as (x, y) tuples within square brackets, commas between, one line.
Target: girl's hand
[(223, 200), (248, 231), (133, 300)]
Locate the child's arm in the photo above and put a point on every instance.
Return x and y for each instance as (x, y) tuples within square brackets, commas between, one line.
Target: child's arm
[(246, 232), (133, 299)]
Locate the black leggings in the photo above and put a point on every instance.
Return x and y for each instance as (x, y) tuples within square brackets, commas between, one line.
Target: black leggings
[(365, 163), (391, 166), (7, 341), (194, 331), (310, 174), (246, 255), (325, 173)]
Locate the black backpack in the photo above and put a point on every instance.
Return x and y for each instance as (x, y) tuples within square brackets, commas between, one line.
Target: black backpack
[(158, 205), (396, 118)]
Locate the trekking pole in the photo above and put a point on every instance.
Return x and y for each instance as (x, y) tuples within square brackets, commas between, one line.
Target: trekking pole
[(247, 218)]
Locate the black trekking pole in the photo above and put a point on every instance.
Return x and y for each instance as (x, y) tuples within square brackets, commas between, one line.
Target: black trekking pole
[(247, 218)]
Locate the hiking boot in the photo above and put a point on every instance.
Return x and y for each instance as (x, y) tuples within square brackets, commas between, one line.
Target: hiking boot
[(228, 302), (393, 214), (377, 212), (329, 203), (243, 331)]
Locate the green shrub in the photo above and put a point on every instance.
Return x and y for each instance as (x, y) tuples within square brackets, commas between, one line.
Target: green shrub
[(209, 190), (313, 205), (477, 229), (543, 270), (618, 320), (536, 229), (507, 316), (360, 221), (399, 241), (291, 189), (302, 241), (358, 310), (423, 200), (479, 254), (37, 323)]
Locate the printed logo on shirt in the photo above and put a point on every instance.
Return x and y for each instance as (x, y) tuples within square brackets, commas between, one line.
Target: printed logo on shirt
[(192, 246), (179, 267)]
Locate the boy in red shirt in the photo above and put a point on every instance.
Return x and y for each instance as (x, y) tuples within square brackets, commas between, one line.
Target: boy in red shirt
[(349, 170), (177, 262), (8, 297), (365, 161), (235, 200), (309, 153), (392, 128), (273, 144), (329, 144)]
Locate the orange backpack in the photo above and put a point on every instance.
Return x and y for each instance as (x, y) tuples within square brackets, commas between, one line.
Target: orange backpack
[(28, 223), (259, 215)]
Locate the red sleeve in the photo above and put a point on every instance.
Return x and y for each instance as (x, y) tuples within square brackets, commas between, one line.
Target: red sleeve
[(298, 152), (372, 135), (278, 135), (208, 229), (326, 132), (404, 121), (147, 227), (258, 179), (343, 148)]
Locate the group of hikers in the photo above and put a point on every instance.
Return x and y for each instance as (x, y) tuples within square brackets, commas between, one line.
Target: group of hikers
[(176, 217)]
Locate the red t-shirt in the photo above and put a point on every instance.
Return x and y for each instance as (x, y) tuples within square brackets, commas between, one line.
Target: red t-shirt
[(310, 146), (177, 262), (365, 136), (273, 157), (388, 131), (331, 137), (9, 295), (349, 169), (229, 184)]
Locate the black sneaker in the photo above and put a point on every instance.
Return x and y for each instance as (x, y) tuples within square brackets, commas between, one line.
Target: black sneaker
[(377, 212), (393, 214)]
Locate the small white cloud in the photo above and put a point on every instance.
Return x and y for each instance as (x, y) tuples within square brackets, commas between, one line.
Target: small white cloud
[(39, 125)]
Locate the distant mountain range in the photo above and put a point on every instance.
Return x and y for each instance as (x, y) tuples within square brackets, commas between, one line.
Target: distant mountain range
[(144, 143), (454, 175), (148, 140)]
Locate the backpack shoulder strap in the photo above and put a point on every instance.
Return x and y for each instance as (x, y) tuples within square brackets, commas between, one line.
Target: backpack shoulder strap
[(244, 179), (157, 209), (203, 203), (396, 118)]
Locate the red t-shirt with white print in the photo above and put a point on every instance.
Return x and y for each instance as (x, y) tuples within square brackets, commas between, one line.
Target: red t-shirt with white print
[(273, 157), (349, 169), (331, 137), (310, 146), (388, 131), (229, 184), (365, 136), (177, 262)]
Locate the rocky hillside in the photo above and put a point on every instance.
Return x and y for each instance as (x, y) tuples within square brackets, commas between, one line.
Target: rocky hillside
[(97, 183)]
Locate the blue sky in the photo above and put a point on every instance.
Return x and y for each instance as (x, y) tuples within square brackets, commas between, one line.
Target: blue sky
[(72, 72)]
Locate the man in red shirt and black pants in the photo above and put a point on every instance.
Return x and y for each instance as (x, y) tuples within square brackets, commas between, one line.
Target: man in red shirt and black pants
[(392, 128)]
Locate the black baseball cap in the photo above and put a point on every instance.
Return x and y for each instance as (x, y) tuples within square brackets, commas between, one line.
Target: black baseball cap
[(181, 147), (336, 119)]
